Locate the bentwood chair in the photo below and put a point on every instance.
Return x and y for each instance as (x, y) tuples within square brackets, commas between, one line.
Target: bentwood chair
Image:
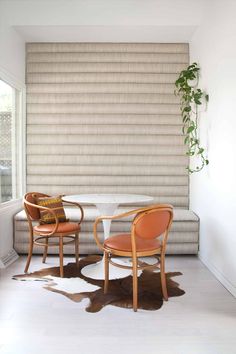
[(144, 239), (51, 224)]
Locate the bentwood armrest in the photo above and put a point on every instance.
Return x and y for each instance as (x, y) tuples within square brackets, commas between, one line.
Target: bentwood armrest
[(106, 217), (79, 206), (50, 210), (128, 213)]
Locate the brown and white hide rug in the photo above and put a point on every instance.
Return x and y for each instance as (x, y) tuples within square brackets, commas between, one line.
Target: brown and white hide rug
[(76, 287)]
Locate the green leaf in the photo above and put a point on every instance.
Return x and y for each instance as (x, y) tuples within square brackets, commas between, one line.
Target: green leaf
[(186, 119), (190, 129), (200, 151), (187, 109), (193, 144), (186, 140)]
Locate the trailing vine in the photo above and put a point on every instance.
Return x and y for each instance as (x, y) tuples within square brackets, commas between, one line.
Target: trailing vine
[(191, 98)]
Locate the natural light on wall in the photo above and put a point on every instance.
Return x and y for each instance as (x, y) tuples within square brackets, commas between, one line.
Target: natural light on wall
[(8, 142)]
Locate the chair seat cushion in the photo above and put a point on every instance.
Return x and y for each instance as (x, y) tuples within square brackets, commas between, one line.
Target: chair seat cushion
[(63, 227), (122, 242)]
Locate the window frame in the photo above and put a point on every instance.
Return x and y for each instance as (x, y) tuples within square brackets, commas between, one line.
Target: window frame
[(19, 137)]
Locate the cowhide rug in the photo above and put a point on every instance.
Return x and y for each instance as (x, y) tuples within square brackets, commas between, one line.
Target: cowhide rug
[(75, 286)]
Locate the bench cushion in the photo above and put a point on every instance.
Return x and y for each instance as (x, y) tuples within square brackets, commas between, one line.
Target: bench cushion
[(183, 237)]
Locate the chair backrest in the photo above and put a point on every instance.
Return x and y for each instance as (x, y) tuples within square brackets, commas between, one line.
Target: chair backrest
[(32, 211), (153, 222)]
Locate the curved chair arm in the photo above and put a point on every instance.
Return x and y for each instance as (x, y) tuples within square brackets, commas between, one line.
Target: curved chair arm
[(79, 206), (50, 210), (128, 213), (114, 217), (97, 220)]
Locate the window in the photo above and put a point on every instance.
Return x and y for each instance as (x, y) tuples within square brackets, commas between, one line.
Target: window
[(10, 152)]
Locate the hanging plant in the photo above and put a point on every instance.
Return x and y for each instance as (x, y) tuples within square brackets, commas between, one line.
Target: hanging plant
[(191, 97)]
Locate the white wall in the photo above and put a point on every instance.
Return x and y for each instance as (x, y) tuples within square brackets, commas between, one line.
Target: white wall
[(213, 191), (12, 69), (6, 227), (12, 49)]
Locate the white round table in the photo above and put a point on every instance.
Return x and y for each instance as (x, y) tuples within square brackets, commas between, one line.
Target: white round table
[(107, 204)]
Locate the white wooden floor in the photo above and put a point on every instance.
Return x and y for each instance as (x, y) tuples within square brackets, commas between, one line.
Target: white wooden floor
[(35, 321)]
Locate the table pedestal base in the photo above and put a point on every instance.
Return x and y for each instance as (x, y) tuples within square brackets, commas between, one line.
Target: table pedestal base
[(96, 270)]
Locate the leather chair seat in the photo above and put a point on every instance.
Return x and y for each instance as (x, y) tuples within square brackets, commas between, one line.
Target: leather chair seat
[(122, 242), (63, 227)]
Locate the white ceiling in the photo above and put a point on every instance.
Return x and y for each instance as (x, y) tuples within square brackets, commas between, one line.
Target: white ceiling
[(104, 20), (161, 34)]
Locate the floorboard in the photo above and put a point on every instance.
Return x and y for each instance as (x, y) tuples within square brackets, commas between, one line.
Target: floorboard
[(36, 321)]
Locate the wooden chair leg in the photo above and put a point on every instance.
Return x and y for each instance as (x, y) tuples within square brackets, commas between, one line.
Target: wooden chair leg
[(77, 249), (30, 252), (163, 278), (106, 264), (135, 284), (61, 256), (45, 251)]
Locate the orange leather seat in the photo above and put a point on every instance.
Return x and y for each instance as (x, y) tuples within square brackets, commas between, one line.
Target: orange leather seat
[(62, 227), (122, 242)]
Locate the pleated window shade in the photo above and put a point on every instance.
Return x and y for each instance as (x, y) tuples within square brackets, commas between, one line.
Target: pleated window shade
[(103, 118)]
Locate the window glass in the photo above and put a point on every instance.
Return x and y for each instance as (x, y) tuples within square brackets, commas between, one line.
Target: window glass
[(7, 141)]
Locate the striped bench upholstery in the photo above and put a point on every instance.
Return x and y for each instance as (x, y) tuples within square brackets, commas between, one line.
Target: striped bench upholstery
[(183, 238)]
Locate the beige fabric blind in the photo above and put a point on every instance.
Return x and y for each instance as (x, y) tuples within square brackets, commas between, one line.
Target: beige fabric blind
[(103, 117)]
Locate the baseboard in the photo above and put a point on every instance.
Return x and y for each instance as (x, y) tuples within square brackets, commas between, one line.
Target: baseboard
[(224, 281), (8, 259)]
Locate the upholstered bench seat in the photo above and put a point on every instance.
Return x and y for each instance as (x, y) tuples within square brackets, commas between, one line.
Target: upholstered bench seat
[(183, 238)]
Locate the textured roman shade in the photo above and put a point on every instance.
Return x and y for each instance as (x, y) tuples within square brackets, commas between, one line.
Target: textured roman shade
[(103, 118)]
